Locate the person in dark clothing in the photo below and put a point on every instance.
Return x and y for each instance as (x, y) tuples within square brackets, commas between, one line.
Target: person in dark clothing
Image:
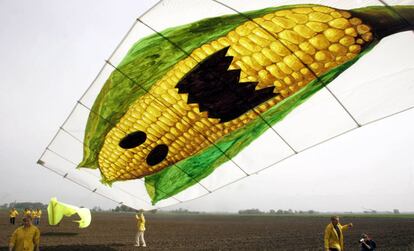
[(367, 244)]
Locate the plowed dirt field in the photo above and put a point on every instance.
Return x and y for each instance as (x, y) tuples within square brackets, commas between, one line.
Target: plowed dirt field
[(116, 231)]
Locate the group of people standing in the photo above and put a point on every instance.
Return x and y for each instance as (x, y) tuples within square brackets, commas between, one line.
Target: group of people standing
[(34, 214), (334, 239), (27, 236)]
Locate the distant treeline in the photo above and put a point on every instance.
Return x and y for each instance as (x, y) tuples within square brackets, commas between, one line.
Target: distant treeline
[(279, 211), (23, 205), (126, 209)]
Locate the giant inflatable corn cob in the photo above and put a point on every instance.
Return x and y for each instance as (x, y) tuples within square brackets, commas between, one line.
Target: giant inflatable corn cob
[(228, 82)]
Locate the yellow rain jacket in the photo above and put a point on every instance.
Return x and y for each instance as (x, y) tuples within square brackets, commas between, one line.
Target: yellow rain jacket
[(140, 223), (13, 213), (27, 213), (25, 239), (331, 238), (37, 214)]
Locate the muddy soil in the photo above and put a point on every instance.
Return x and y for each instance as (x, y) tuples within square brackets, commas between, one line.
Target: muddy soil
[(116, 231)]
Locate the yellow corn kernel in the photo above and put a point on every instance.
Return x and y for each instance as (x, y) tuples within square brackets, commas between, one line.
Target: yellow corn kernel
[(307, 47), (242, 30), (283, 13), (355, 21), (208, 49), (323, 56), (340, 23), (259, 40), (272, 27), (223, 41), (306, 72), (347, 41), (290, 46), (284, 93), (360, 41), (304, 31), (333, 35), (297, 76), (154, 110), (275, 71), (233, 36), (244, 67), (279, 48), (351, 32), (355, 48), (293, 62), (216, 45), (284, 68), (298, 18), (268, 16), (278, 84), (338, 49), (323, 9), (291, 36), (317, 26), (251, 25), (305, 58), (261, 59), (345, 14), (238, 49), (319, 42), (159, 127), (271, 55), (283, 22), (118, 133), (335, 14), (288, 80), (265, 78), (362, 29), (166, 121), (252, 63), (329, 65), (317, 67), (200, 53), (367, 36), (320, 17), (264, 34)]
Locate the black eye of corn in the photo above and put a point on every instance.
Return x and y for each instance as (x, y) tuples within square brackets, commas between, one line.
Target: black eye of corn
[(157, 155), (133, 140)]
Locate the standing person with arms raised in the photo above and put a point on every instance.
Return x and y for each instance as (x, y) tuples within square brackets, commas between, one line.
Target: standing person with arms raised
[(26, 237), (141, 229), (334, 239)]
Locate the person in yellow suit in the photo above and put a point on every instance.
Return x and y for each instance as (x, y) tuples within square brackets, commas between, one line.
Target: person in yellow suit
[(141, 229), (334, 239), (27, 212), (36, 215), (13, 214), (26, 237)]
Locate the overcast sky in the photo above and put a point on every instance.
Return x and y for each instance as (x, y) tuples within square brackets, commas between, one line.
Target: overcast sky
[(52, 50)]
